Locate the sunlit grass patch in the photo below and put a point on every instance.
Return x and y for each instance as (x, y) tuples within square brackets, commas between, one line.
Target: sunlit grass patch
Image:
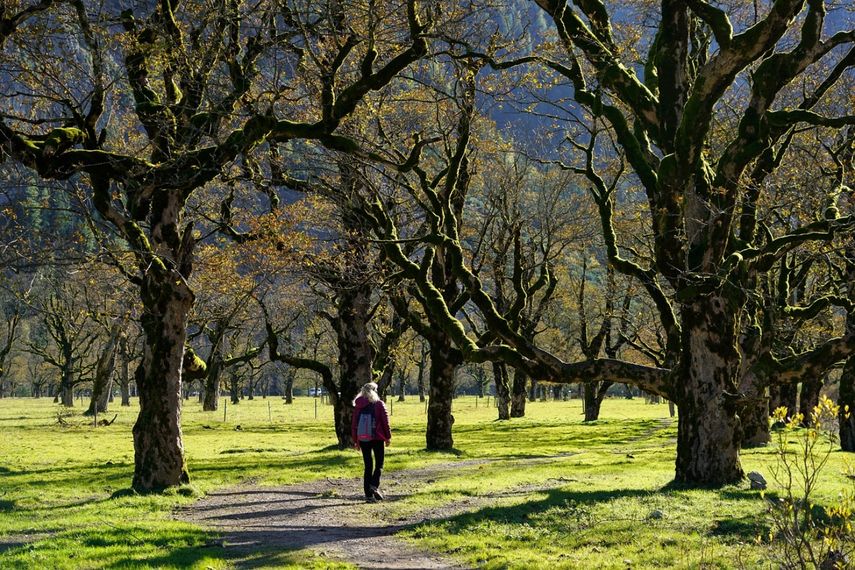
[(546, 490)]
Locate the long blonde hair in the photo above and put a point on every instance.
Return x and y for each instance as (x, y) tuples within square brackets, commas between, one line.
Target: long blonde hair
[(369, 392)]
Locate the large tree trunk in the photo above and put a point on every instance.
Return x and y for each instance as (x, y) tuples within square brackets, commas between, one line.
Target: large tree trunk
[(289, 386), (103, 385), (593, 394), (355, 356), (784, 396), (755, 423), (708, 433), (234, 388), (518, 394), (66, 385), (402, 382), (212, 385), (809, 398), (754, 412), (754, 417), (158, 447), (503, 390), (215, 369), (444, 360)]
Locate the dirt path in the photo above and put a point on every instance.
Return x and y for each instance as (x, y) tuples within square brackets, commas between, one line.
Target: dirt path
[(330, 516)]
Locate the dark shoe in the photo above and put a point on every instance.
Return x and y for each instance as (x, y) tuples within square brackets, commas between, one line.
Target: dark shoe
[(370, 499), (377, 494)]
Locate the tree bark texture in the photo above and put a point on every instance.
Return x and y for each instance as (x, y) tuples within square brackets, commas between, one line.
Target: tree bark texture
[(444, 360), (234, 388), (784, 396), (809, 398), (593, 394), (421, 376), (846, 400), (708, 433), (212, 385), (289, 386), (124, 371), (66, 384), (754, 411), (503, 390), (518, 394), (106, 366), (755, 423), (158, 447), (402, 383), (355, 355)]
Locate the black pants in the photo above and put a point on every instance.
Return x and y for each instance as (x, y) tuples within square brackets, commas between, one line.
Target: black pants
[(371, 478)]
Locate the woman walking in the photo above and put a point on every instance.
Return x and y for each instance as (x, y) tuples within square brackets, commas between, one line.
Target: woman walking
[(370, 433)]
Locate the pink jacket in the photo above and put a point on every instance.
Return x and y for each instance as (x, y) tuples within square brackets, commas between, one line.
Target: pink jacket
[(381, 419)]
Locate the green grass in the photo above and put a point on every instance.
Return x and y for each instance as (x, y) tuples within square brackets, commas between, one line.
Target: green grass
[(605, 503)]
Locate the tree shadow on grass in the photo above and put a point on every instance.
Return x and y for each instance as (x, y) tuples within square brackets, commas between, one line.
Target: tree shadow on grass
[(238, 558), (189, 547), (743, 527), (453, 452), (182, 548)]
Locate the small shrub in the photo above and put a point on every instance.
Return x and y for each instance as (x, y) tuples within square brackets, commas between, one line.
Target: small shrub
[(803, 534), (64, 416)]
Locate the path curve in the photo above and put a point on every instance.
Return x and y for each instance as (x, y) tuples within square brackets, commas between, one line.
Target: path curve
[(328, 516), (331, 517)]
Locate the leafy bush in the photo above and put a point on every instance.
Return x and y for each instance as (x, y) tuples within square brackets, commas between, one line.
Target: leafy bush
[(803, 534)]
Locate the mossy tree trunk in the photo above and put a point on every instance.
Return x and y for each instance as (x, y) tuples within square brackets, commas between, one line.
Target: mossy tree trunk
[(234, 387), (444, 361), (755, 424)]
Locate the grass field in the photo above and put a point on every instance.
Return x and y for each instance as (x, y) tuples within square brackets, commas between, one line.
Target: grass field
[(64, 499)]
